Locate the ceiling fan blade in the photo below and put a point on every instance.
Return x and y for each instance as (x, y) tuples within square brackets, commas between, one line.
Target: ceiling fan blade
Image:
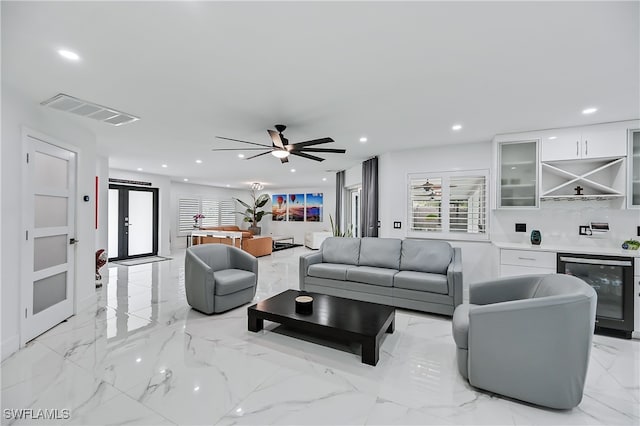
[(313, 142), (284, 160), (275, 137), (310, 157), (334, 150), (258, 155), (238, 149), (238, 140)]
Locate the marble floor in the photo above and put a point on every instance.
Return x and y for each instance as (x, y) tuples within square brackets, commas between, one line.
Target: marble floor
[(142, 356)]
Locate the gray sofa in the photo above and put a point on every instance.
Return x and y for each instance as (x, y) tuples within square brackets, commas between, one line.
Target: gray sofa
[(219, 277), (423, 275), (527, 337)]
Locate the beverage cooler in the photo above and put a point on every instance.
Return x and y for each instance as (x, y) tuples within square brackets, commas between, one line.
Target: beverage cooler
[(612, 279)]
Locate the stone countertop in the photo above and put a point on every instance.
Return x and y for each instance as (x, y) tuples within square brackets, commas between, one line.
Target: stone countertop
[(568, 248)]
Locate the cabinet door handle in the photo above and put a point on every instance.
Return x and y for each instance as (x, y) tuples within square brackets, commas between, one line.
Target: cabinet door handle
[(586, 148), (577, 148), (526, 258)]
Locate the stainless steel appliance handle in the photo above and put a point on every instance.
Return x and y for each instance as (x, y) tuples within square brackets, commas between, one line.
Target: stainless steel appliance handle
[(586, 148), (577, 148), (596, 261)]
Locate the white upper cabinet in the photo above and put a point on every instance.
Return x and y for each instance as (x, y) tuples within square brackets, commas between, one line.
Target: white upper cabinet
[(633, 193), (597, 141)]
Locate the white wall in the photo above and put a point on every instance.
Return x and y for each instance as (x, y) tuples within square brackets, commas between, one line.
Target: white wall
[(179, 189), (102, 172), (353, 176), (19, 111), (393, 167), (298, 229), (163, 183)]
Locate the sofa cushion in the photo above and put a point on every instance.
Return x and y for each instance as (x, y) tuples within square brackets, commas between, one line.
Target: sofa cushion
[(341, 250), (460, 325), (232, 280), (426, 256), (380, 252), (421, 281), (332, 271), (372, 275)]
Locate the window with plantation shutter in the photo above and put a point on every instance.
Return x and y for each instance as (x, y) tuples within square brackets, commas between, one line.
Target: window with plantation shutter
[(187, 208), (448, 204), (227, 215), (467, 204), (211, 212), (426, 204)]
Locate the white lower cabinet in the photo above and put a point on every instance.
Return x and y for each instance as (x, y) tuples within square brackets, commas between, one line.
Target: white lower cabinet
[(525, 262)]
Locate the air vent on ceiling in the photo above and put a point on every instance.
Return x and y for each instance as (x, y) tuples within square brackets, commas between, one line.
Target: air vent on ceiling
[(77, 106)]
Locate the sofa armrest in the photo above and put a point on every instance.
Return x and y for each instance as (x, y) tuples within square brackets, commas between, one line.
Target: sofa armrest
[(503, 289), (543, 342), (307, 260), (199, 283), (454, 277), (242, 260)]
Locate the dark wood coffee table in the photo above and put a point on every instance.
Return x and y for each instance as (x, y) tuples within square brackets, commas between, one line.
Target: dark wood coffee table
[(333, 317)]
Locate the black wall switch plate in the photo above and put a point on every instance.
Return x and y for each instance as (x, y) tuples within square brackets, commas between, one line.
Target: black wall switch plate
[(397, 225), (638, 231), (521, 227)]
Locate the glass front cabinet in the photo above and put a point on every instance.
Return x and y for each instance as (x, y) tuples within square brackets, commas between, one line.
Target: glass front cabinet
[(633, 193), (518, 174)]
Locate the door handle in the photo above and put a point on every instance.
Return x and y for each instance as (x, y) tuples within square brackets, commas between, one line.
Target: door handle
[(586, 148), (577, 148), (73, 241)]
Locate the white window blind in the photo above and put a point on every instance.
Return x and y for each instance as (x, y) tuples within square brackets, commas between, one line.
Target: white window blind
[(211, 212), (227, 215), (187, 208), (426, 204), (467, 204), (448, 204)]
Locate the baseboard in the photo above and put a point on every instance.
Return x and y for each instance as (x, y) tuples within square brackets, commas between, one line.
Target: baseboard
[(10, 346), (635, 335)]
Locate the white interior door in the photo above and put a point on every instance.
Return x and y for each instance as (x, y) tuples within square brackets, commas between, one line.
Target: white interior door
[(140, 222), (48, 257)]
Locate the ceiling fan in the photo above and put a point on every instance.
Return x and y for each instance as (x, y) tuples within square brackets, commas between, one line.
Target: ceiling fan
[(281, 148)]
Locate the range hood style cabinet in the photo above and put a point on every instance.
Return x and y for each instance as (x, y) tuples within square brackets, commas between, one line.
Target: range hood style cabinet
[(596, 162)]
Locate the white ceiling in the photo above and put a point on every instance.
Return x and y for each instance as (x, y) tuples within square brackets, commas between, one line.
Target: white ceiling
[(399, 73)]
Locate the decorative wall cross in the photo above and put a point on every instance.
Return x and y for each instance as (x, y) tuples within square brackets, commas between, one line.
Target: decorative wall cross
[(578, 190)]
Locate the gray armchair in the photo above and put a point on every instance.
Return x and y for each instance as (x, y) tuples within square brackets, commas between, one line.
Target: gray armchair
[(527, 337), (219, 277)]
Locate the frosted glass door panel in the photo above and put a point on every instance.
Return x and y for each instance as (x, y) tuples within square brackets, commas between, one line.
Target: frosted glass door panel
[(50, 211), (518, 174), (49, 251), (140, 222), (50, 172), (49, 291), (112, 249), (635, 169)]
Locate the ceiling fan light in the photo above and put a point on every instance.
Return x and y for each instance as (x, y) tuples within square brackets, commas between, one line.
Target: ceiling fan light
[(280, 153)]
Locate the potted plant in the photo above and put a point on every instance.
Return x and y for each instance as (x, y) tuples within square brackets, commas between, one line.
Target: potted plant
[(252, 213)]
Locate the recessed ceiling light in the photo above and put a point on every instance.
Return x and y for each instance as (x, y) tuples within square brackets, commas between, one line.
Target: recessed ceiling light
[(553, 137), (363, 139), (240, 155), (324, 179), (589, 110), (456, 127), (164, 166), (228, 186), (185, 179), (199, 161), (138, 359), (196, 389), (67, 54), (139, 169), (293, 170)]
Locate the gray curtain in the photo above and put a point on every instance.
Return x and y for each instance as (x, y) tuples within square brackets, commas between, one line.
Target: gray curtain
[(339, 200), (369, 198)]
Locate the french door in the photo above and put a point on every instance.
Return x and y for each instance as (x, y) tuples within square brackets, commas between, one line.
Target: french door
[(133, 222), (48, 256)]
